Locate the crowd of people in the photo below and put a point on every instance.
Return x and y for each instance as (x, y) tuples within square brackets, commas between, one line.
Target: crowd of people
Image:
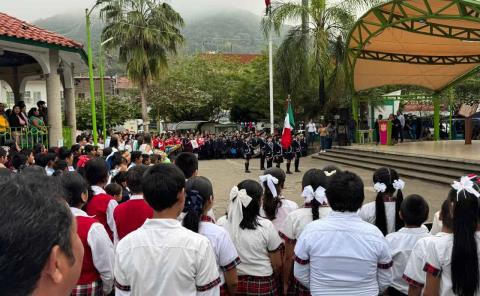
[(83, 222)]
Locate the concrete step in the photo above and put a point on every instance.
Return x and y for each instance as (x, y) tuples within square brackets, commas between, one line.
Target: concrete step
[(371, 166), (450, 172), (420, 160)]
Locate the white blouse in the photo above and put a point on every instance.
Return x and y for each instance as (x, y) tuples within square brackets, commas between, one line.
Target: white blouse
[(367, 213), (298, 219), (287, 207)]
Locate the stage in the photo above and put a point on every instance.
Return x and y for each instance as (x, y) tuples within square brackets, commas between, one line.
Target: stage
[(442, 150)]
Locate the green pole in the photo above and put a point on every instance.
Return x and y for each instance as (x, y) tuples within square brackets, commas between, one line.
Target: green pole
[(436, 117), (90, 74), (102, 89)]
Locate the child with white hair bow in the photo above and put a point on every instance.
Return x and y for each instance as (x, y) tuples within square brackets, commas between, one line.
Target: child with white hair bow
[(384, 211), (274, 206)]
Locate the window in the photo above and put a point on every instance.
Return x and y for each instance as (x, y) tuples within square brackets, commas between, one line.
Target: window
[(37, 96), (10, 96), (27, 98), (81, 95)]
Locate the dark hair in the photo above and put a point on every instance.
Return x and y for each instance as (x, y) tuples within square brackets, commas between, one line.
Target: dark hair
[(330, 168), (34, 170), (134, 178), (114, 142), (135, 155), (197, 191), (446, 213), (26, 152), (345, 192), (188, 163), (3, 152), (250, 213), (64, 153), (60, 165), (96, 171), (120, 178), (145, 158), (414, 210), (113, 189), (161, 185), (270, 203), (147, 139), (74, 185), (75, 148), (466, 215), (315, 178), (37, 148), (31, 112), (387, 176), (33, 219), (19, 160), (114, 160), (88, 149)]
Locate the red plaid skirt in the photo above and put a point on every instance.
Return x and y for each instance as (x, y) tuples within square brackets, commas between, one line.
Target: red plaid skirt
[(295, 288), (257, 285), (92, 289), (224, 290)]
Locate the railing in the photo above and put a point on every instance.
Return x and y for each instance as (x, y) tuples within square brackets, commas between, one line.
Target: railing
[(28, 137)]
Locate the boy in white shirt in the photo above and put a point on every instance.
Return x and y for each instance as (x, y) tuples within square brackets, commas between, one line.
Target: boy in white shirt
[(414, 212), (162, 257), (341, 254)]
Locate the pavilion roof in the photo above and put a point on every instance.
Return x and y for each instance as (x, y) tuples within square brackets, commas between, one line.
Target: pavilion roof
[(427, 43)]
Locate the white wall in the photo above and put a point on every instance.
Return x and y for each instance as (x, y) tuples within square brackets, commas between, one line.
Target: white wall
[(35, 87)]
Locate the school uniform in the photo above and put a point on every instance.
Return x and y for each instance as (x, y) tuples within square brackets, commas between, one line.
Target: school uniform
[(164, 258), (343, 255), (96, 277), (290, 232), (297, 149), (414, 274), (225, 252), (269, 153), (286, 208), (102, 206), (439, 262), (130, 215), (255, 273), (437, 224), (401, 245), (278, 153), (367, 213)]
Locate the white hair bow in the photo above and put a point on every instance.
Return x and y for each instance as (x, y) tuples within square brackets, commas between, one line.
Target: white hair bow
[(380, 187), (271, 182), (399, 184), (238, 198), (319, 194), (329, 174), (466, 184)]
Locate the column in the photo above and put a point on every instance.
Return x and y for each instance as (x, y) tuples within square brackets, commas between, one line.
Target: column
[(54, 104), (436, 117), (70, 110)]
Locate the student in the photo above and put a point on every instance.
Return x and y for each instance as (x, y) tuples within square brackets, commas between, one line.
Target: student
[(132, 214), (100, 205), (247, 149), (256, 239), (115, 190), (121, 179), (274, 206), (384, 211), (136, 159), (316, 207), (277, 152), (162, 257), (289, 155), (297, 149), (198, 201), (19, 162), (269, 153), (97, 267), (188, 163), (414, 212), (414, 274), (67, 155), (342, 254), (41, 253), (452, 263)]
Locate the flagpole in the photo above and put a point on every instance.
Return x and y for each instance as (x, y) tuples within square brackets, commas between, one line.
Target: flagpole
[(270, 66)]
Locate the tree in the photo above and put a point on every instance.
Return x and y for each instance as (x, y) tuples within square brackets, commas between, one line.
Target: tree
[(313, 53), (145, 33)]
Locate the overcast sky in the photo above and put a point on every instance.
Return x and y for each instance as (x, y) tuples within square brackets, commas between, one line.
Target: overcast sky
[(31, 10)]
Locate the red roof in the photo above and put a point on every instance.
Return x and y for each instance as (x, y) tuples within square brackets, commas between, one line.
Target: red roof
[(13, 27)]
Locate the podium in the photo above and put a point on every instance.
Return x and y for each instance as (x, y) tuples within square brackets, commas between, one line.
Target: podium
[(385, 130)]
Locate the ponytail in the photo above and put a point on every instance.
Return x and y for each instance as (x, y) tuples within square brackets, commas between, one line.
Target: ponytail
[(315, 205), (198, 192), (271, 204), (315, 178), (399, 223), (380, 216), (464, 268)]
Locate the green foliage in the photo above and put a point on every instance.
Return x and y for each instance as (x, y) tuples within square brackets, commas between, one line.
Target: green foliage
[(118, 110)]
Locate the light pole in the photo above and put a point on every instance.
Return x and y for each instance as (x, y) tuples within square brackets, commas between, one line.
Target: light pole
[(102, 89), (90, 73)]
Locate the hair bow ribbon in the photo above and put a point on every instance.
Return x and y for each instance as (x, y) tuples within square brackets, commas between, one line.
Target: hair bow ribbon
[(329, 174), (399, 184), (238, 198), (465, 184), (319, 194), (271, 182), (380, 187)]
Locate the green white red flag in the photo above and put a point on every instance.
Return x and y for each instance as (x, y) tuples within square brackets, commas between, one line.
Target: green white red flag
[(268, 4), (288, 126)]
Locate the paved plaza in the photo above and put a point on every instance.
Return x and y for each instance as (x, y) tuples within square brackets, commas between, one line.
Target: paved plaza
[(226, 173)]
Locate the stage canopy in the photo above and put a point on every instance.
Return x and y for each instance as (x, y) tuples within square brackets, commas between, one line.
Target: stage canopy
[(427, 43)]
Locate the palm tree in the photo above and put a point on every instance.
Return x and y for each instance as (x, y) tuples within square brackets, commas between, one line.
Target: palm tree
[(313, 52), (145, 32)]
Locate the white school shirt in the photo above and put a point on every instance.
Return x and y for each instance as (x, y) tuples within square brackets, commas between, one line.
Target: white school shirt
[(225, 252), (439, 262), (102, 251), (110, 208), (367, 213), (437, 224), (286, 208), (401, 245), (298, 219), (164, 258), (343, 255), (222, 220), (253, 246), (414, 274)]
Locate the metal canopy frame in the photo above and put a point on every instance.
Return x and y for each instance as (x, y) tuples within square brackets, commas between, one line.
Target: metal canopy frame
[(414, 16)]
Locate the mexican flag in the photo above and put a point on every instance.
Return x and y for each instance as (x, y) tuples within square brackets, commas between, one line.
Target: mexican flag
[(288, 126), (268, 4)]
